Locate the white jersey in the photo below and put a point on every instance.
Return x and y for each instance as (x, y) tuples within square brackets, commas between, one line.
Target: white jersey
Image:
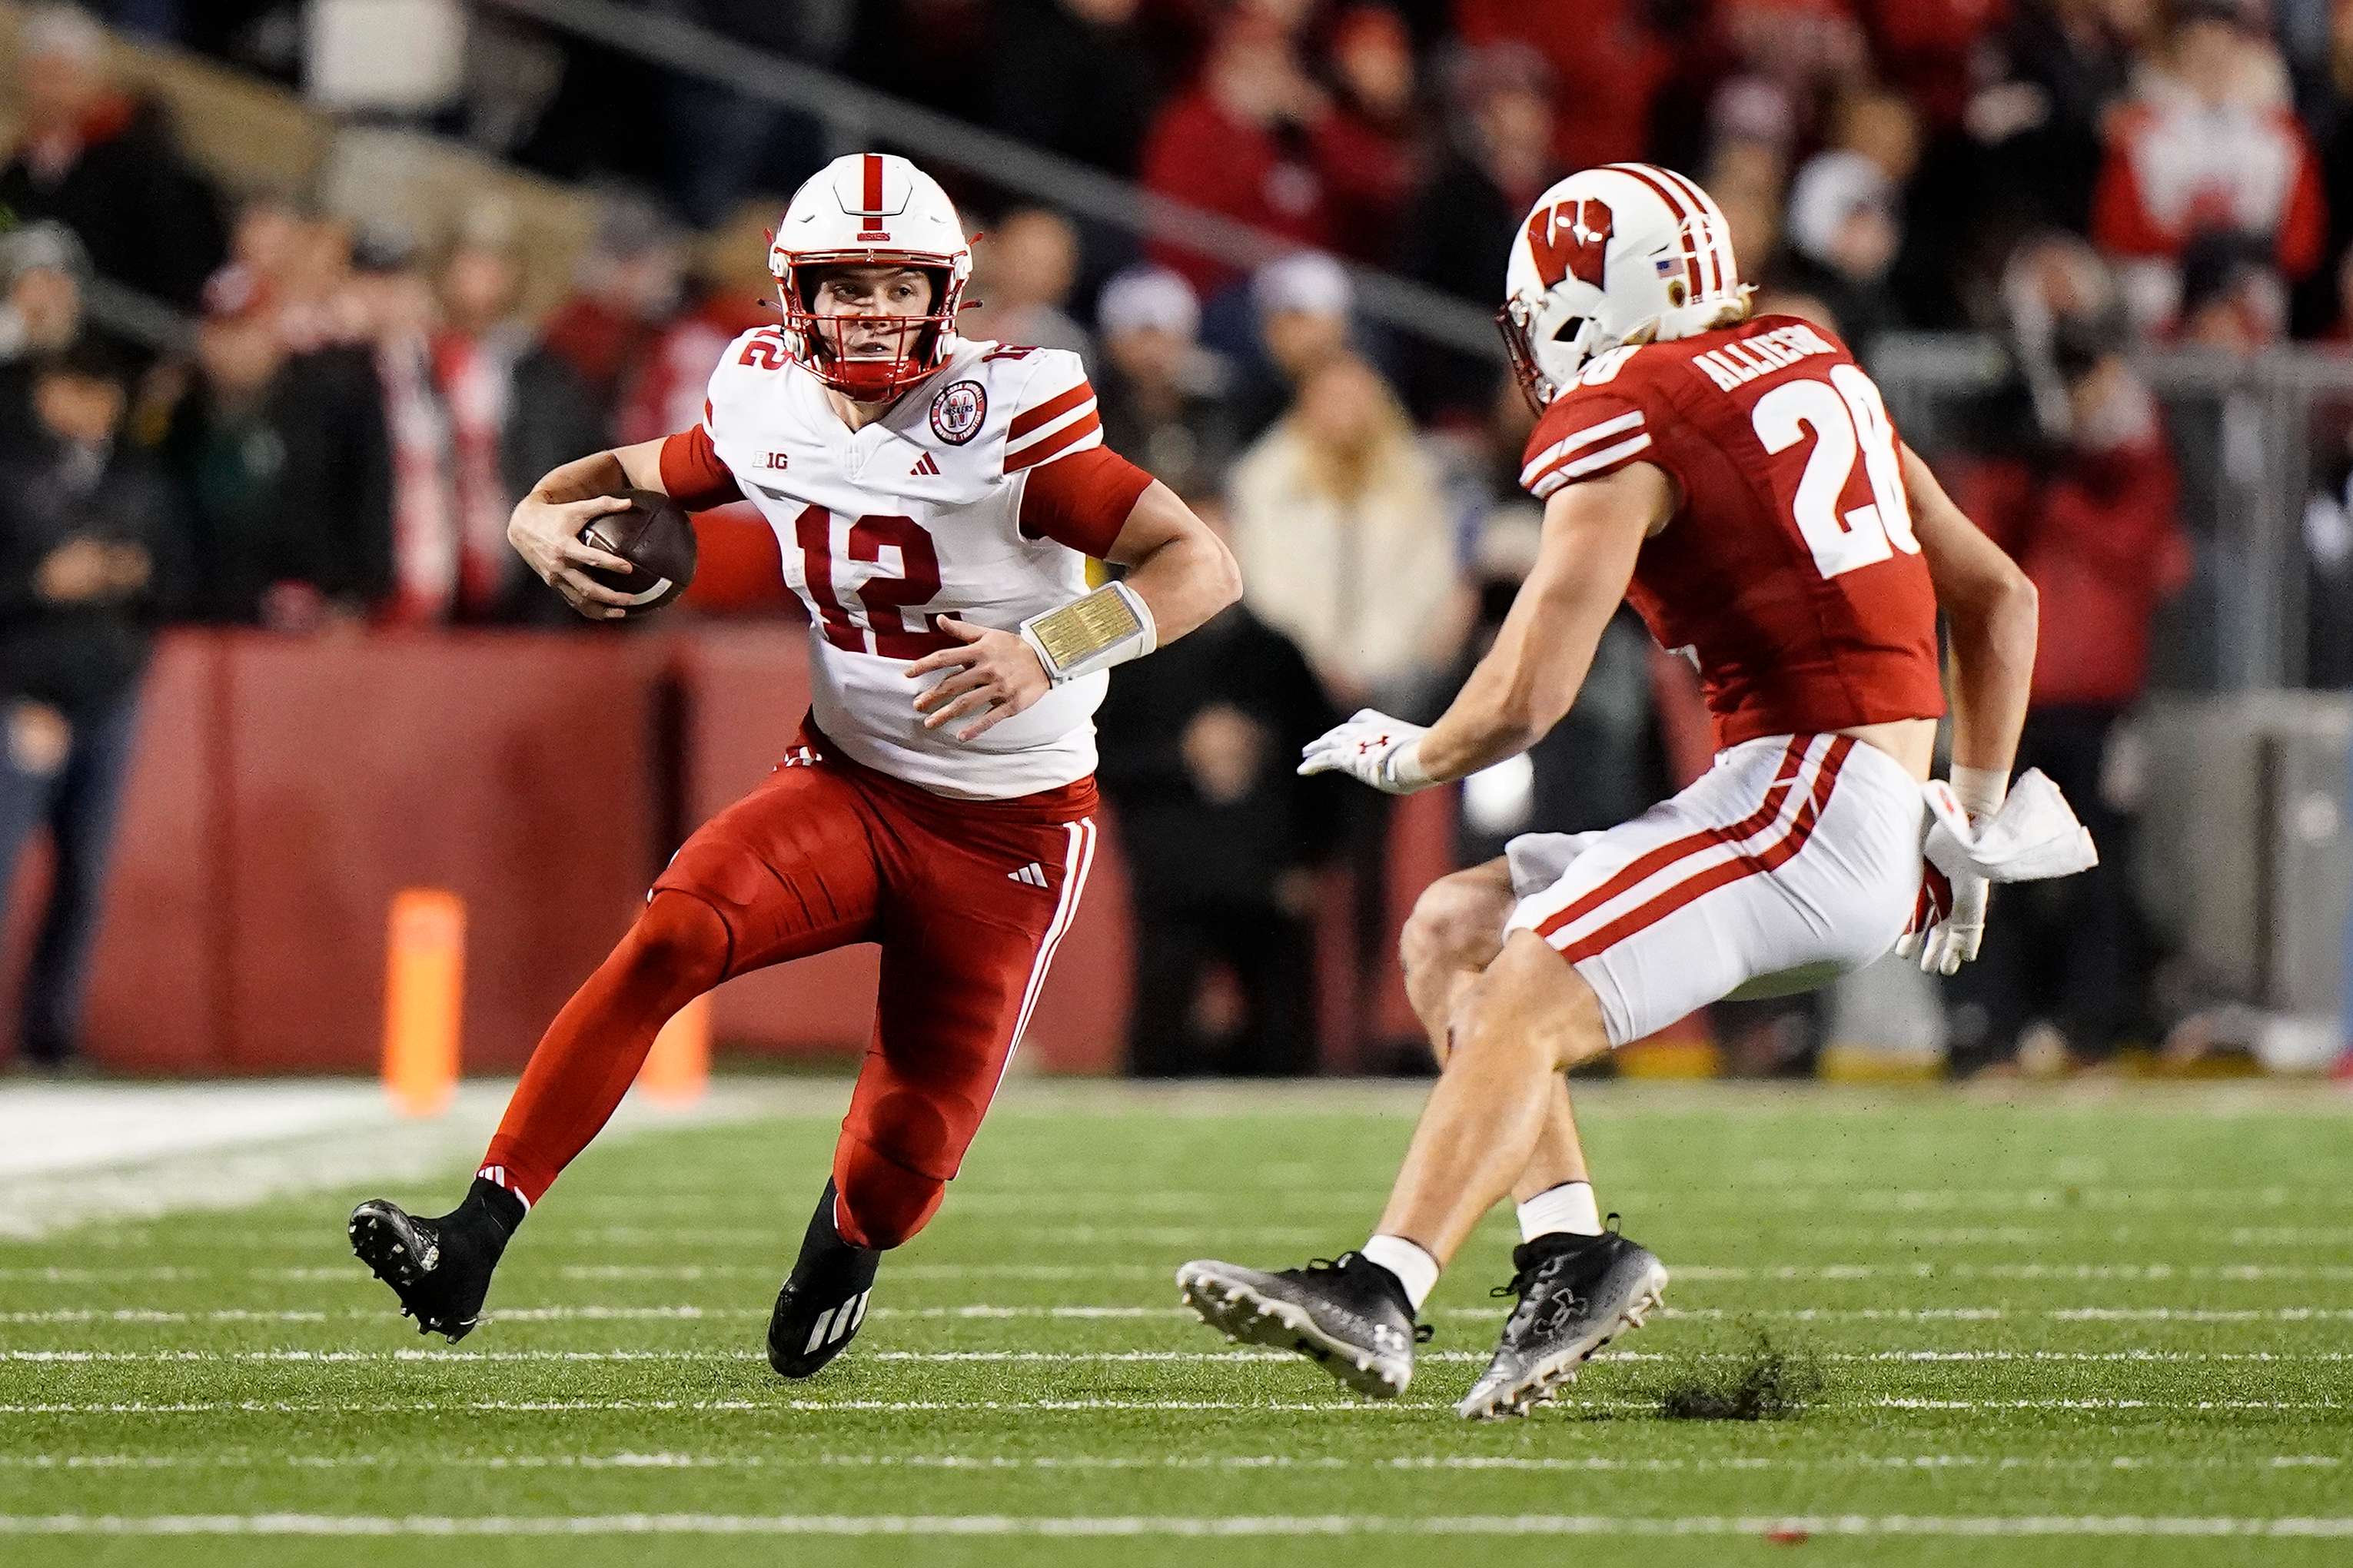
[(917, 515)]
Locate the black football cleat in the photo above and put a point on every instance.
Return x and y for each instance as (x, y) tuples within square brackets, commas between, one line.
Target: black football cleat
[(823, 1299), (1349, 1315), (440, 1269), (1577, 1293)]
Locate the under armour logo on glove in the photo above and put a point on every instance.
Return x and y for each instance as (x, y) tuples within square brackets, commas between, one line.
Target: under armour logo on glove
[(1373, 749)]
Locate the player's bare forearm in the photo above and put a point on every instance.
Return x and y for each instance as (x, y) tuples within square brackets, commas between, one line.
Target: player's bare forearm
[(632, 467), (1175, 564), (1990, 607), (1528, 679)]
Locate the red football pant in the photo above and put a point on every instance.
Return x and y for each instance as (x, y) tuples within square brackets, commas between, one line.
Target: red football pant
[(968, 900)]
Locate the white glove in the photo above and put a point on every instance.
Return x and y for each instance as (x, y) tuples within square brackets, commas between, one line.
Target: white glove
[(1947, 923), (1373, 749)]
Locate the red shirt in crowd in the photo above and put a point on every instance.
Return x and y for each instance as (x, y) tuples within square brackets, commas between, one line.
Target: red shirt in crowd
[(2103, 545)]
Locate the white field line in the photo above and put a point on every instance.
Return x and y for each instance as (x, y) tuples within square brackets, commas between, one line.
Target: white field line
[(779, 1237), (1082, 1358), (839, 1407), (985, 1462), (1784, 1527), (591, 1312)]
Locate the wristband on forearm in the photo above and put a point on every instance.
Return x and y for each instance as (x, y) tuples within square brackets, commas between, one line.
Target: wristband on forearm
[(1981, 791), (1108, 626)]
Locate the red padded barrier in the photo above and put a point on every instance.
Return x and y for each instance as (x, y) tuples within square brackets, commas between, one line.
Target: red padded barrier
[(516, 771), (287, 788)]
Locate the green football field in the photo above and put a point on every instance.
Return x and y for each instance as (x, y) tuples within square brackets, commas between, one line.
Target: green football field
[(2096, 1326)]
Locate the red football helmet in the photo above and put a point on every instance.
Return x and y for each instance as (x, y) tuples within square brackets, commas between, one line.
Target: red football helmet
[(869, 209)]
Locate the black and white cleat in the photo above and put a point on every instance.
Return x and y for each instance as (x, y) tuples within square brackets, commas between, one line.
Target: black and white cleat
[(1348, 1315), (1577, 1294), (823, 1299), (440, 1269)]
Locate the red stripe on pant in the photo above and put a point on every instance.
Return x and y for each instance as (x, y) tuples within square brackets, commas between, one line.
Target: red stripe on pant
[(1724, 873), (1644, 867)]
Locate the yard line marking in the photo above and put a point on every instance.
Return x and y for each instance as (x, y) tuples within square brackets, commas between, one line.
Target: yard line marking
[(1129, 1525), (687, 1312), (1516, 1462), (1336, 1406), (73, 1356)]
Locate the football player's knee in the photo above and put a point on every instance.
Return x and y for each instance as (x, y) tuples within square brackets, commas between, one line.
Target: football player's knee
[(1452, 926), (681, 941), (882, 1203)]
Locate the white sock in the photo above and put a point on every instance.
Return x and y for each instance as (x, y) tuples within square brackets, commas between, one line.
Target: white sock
[(1566, 1209), (1415, 1269)]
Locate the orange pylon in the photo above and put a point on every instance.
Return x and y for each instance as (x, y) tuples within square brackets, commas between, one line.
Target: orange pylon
[(678, 1069), (423, 999)]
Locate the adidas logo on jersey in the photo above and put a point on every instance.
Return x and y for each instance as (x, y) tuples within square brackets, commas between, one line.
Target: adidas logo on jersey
[(1031, 876), (927, 463)]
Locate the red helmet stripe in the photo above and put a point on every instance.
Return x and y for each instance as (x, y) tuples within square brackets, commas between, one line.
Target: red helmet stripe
[(873, 207), (1706, 209), (1674, 200)]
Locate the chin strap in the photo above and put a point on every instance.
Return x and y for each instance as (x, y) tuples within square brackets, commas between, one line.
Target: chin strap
[(1108, 626)]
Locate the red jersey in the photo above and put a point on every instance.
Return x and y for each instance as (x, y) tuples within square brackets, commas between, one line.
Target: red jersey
[(1789, 575)]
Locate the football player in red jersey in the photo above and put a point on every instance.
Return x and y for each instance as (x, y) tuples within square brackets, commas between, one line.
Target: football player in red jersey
[(1736, 477)]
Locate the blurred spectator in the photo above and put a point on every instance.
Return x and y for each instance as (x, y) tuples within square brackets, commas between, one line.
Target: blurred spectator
[(226, 449), (41, 267), (1241, 142), (1024, 268), (2232, 296), (1369, 147), (1345, 542), (1075, 77), (1747, 176), (268, 244), (371, 520), (86, 552), (1608, 61), (1301, 303), (2210, 148), (104, 166), (626, 284), (1457, 235), (1223, 839), (2050, 83), (1931, 46), (1160, 392), (729, 292), (515, 411), (1843, 234), (2096, 527)]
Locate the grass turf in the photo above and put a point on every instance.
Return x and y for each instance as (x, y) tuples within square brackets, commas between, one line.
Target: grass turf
[(2110, 1327)]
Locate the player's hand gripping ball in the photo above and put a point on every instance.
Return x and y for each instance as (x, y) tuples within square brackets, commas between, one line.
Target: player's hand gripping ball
[(653, 535), (609, 556)]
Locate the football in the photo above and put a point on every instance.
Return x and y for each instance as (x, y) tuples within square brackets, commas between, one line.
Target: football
[(655, 537)]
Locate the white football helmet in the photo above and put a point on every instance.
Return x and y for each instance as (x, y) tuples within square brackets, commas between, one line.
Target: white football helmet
[(1627, 253), (869, 209)]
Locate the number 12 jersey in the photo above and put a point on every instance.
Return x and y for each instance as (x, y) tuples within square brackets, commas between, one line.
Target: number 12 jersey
[(979, 495), (1788, 573)]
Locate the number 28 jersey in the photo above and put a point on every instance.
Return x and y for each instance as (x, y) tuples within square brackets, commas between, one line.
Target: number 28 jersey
[(1789, 573), (980, 494)]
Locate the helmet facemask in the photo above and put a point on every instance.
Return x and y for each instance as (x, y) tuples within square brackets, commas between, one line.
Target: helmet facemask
[(825, 346)]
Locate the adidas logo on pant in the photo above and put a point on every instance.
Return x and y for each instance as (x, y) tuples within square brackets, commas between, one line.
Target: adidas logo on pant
[(1032, 875)]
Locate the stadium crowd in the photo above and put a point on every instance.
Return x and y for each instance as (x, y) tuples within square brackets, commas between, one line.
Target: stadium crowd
[(361, 405)]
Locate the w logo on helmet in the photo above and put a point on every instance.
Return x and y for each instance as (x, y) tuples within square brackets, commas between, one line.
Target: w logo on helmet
[(1570, 239)]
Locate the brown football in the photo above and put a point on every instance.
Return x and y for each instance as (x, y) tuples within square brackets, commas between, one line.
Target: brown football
[(653, 536)]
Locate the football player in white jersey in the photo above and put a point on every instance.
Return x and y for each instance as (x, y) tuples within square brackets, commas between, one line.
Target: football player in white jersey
[(936, 501)]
